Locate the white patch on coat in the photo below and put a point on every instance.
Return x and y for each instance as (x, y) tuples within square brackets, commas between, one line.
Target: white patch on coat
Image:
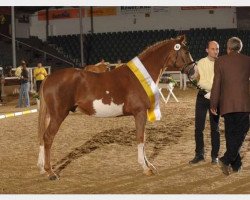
[(107, 92), (41, 160), (107, 110)]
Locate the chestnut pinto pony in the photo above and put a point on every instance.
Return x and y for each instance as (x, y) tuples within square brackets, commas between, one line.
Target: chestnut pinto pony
[(110, 94)]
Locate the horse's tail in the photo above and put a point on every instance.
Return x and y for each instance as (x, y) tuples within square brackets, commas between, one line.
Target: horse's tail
[(43, 118)]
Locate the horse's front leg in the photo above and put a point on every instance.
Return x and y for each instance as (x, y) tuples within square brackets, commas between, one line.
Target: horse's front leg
[(140, 122), (49, 135)]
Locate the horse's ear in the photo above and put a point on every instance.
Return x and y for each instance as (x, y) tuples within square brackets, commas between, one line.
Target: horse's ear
[(181, 38)]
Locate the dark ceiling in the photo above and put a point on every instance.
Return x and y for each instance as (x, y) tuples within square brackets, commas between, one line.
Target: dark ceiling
[(31, 9), (26, 9)]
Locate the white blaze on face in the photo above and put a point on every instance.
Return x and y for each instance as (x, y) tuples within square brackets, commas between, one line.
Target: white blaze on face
[(107, 110)]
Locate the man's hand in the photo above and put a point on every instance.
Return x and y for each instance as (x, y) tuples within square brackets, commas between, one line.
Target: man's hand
[(213, 111), (207, 96)]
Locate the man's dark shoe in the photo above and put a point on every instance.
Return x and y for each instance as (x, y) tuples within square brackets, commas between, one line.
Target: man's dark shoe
[(224, 168), (214, 161), (237, 170), (196, 160)]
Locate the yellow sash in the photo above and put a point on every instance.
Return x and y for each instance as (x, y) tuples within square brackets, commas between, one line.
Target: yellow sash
[(149, 86)]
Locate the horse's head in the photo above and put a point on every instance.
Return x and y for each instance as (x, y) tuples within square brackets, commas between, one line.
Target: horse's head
[(167, 53), (180, 57)]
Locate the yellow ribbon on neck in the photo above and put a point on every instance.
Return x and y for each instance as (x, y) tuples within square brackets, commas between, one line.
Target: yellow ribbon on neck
[(149, 86)]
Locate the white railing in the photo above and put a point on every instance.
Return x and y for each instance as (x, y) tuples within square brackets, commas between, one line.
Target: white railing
[(179, 77)]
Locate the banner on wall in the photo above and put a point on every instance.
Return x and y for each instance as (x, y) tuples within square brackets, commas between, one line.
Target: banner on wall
[(60, 14), (5, 11), (135, 9), (161, 9), (102, 11), (203, 7)]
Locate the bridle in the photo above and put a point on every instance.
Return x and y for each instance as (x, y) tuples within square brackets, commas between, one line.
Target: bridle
[(176, 57), (188, 72)]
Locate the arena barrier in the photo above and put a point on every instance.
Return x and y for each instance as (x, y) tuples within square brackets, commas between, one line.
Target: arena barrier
[(179, 77), (31, 77), (7, 115), (12, 84)]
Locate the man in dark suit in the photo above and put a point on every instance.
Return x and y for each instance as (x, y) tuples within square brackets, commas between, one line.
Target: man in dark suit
[(231, 92)]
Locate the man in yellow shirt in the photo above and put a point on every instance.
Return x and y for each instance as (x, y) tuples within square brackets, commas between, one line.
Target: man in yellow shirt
[(205, 70), (39, 74)]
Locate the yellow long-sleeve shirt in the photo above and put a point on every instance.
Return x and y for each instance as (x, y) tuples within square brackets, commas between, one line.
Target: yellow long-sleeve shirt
[(206, 72), (40, 73), (18, 71)]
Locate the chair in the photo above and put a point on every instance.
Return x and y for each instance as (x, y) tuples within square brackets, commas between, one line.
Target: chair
[(170, 88)]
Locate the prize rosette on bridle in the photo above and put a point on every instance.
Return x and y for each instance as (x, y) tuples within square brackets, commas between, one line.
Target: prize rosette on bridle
[(149, 86)]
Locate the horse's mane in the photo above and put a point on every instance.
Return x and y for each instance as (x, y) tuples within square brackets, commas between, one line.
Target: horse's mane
[(154, 46)]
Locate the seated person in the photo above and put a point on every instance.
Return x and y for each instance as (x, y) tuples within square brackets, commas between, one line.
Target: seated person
[(102, 62), (119, 63)]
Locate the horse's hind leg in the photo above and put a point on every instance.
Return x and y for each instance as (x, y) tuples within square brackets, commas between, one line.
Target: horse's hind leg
[(49, 136), (140, 122)]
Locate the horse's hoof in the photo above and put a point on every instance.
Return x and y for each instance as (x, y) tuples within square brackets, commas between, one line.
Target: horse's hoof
[(42, 171), (151, 168), (53, 177), (148, 172)]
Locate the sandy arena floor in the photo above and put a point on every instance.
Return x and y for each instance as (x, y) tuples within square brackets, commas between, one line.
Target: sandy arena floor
[(99, 156)]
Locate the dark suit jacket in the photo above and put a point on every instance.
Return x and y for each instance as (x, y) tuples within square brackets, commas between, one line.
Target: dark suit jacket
[(231, 90)]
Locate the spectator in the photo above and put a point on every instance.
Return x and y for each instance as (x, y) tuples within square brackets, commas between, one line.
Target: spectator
[(119, 63), (19, 69), (102, 62), (39, 74), (24, 100)]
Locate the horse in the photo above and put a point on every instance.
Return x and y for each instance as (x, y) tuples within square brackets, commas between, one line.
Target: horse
[(98, 68), (110, 94)]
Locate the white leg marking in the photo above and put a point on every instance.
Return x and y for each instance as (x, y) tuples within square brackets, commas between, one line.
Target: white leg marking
[(41, 160), (141, 156)]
